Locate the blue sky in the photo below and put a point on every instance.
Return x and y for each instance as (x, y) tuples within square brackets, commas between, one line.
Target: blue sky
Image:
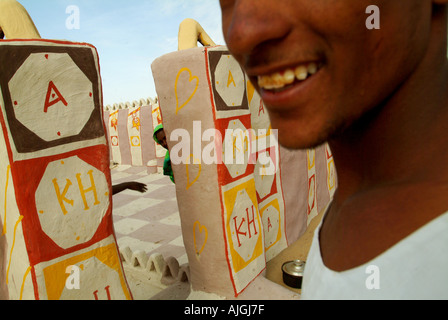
[(128, 34)]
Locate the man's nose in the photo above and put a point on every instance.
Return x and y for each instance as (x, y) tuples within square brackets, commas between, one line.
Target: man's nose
[(252, 23)]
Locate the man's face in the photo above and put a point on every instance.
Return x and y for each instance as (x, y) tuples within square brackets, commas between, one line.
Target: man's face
[(317, 66), (162, 138)]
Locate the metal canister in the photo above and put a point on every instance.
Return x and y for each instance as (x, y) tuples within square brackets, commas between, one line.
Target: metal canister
[(293, 273)]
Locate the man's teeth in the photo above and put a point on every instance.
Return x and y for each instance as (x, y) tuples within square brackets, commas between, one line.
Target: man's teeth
[(280, 80)]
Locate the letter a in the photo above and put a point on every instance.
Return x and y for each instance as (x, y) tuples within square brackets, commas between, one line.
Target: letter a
[(261, 109), (50, 100), (73, 21), (373, 280), (373, 21), (269, 224), (180, 153), (72, 281), (230, 80)]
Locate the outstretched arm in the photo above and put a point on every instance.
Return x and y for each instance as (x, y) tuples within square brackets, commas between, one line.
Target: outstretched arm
[(136, 186)]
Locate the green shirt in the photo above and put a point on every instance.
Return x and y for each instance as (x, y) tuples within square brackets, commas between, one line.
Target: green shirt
[(167, 169)]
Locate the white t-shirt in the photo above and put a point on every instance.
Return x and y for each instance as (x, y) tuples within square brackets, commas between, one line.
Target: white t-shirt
[(414, 268)]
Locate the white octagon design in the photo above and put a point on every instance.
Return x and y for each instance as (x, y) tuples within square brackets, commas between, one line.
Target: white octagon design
[(230, 81), (71, 201), (245, 226), (91, 285), (271, 225), (236, 148), (264, 175), (51, 96)]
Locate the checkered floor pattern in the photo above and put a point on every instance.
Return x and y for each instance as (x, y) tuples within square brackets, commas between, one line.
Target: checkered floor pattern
[(147, 221)]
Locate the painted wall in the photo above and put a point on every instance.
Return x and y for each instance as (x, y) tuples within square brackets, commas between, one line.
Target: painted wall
[(130, 134), (235, 216), (57, 239)]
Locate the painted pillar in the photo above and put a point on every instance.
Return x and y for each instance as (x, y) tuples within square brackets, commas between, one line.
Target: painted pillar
[(231, 207), (135, 136), (54, 175), (160, 151)]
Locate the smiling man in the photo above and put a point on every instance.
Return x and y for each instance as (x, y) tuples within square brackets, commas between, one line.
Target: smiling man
[(380, 98)]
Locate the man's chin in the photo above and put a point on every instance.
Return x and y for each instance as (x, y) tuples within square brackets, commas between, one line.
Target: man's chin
[(292, 143), (295, 135)]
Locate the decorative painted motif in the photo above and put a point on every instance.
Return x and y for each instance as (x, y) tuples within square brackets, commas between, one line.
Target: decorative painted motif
[(248, 225), (54, 168)]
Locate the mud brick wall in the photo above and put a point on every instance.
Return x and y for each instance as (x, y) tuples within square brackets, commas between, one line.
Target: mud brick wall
[(235, 216), (57, 234), (130, 134)]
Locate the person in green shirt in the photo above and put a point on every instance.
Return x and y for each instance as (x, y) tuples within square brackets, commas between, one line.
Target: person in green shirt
[(160, 137)]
